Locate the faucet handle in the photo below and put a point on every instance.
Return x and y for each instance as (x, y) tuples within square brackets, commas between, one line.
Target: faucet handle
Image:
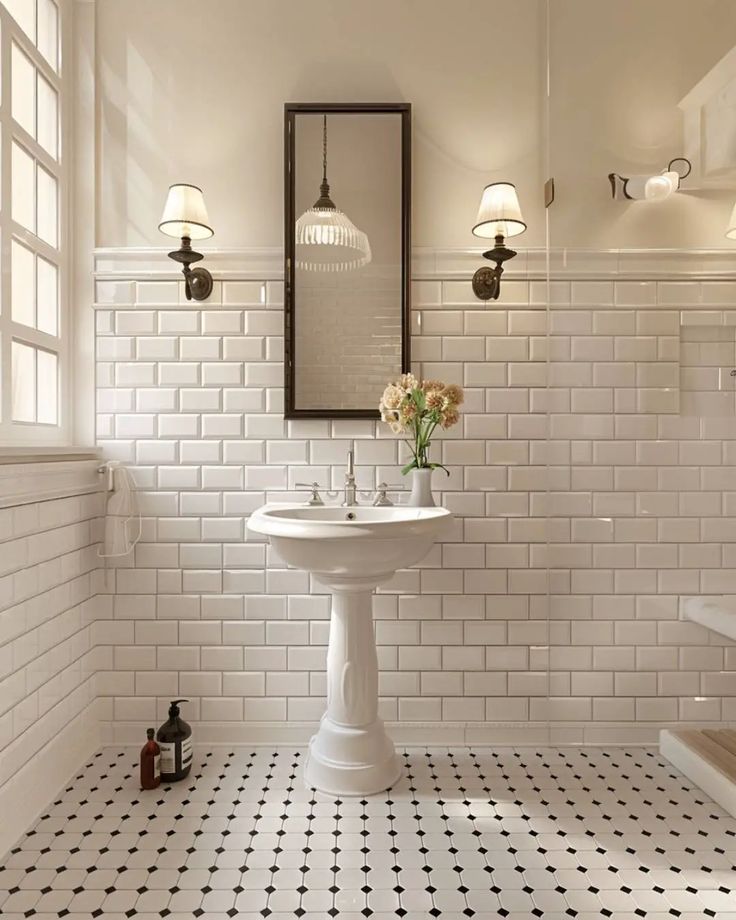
[(382, 500), (314, 488)]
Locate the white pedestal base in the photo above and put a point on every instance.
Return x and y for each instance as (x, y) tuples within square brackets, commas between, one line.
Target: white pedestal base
[(366, 760), (351, 754)]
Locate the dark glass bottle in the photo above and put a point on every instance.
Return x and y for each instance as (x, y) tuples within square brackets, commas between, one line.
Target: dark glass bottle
[(175, 740), (150, 763)]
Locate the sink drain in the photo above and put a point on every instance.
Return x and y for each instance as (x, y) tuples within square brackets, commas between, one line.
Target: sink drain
[(350, 516)]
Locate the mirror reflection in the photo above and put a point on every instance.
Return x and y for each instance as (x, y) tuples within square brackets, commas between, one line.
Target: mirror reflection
[(348, 229)]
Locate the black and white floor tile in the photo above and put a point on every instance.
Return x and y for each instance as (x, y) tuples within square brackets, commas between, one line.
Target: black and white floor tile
[(515, 833)]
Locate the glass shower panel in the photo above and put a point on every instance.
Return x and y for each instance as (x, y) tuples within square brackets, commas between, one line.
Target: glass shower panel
[(642, 339)]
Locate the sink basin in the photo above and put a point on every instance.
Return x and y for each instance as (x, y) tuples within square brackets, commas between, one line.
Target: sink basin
[(355, 544), (351, 550)]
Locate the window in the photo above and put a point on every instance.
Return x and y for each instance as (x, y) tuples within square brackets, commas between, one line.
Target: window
[(33, 322)]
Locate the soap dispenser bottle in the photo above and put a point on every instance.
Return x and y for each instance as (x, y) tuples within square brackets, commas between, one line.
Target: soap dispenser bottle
[(175, 740)]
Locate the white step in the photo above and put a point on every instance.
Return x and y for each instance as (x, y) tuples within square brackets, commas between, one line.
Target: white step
[(708, 759)]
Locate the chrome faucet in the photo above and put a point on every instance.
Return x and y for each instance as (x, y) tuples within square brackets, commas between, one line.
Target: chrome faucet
[(350, 491)]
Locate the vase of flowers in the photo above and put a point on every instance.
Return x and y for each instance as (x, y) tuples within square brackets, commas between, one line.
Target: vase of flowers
[(416, 409)]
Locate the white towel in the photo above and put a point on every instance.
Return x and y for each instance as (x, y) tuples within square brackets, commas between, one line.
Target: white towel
[(122, 520)]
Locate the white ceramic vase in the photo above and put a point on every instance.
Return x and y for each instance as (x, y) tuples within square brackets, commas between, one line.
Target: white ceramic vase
[(421, 489)]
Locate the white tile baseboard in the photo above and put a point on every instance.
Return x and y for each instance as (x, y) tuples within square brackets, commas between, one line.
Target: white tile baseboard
[(480, 734)]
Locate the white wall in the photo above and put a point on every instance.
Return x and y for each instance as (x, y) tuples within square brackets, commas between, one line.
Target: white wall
[(195, 91), (617, 73), (639, 478)]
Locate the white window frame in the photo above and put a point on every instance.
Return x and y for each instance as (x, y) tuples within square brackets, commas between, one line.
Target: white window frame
[(18, 434)]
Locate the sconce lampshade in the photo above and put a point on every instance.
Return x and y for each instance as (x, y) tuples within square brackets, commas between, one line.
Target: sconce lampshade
[(731, 229), (499, 213), (185, 214)]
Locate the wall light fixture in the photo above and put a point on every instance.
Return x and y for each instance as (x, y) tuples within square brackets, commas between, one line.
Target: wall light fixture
[(653, 187), (499, 216), (185, 218), (731, 228)]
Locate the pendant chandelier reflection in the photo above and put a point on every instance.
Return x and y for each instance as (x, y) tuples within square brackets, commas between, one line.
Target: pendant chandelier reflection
[(326, 239)]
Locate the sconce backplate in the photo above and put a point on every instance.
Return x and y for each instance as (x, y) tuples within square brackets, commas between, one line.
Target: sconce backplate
[(487, 283), (199, 283)]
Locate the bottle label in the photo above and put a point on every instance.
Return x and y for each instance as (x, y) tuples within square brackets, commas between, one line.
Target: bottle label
[(186, 752), (157, 766), (168, 757)]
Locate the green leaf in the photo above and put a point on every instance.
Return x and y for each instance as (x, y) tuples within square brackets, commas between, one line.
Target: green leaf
[(409, 467)]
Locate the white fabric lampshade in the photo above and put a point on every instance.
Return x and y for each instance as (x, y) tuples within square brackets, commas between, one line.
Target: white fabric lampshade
[(731, 229), (499, 213), (185, 213)]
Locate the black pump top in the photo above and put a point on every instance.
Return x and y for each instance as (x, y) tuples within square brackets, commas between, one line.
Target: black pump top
[(149, 734), (174, 708)]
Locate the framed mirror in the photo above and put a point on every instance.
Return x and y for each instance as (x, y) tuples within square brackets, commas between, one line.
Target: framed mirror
[(347, 175)]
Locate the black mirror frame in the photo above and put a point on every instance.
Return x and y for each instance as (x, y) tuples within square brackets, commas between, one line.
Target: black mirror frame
[(291, 110)]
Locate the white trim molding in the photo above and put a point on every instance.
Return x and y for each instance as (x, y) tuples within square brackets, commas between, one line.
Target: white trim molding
[(23, 481), (267, 264)]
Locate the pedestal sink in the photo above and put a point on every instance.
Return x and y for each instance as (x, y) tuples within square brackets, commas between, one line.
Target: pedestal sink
[(351, 550)]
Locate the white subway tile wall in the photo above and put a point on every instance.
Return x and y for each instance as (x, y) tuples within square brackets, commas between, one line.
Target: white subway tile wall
[(49, 613), (591, 477)]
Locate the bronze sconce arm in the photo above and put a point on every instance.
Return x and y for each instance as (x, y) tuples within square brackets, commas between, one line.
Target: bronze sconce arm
[(197, 281), (487, 280)]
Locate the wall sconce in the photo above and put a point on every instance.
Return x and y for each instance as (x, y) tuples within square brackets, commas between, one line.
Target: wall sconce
[(185, 217), (499, 216), (651, 188), (731, 228)]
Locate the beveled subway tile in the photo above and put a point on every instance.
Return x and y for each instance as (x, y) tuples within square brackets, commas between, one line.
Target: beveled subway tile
[(156, 348), (179, 322), (613, 504)]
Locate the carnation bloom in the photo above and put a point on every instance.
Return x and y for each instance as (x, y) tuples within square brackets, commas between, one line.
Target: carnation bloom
[(450, 417), (392, 396), (408, 411), (435, 399), (454, 394), (408, 382)]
